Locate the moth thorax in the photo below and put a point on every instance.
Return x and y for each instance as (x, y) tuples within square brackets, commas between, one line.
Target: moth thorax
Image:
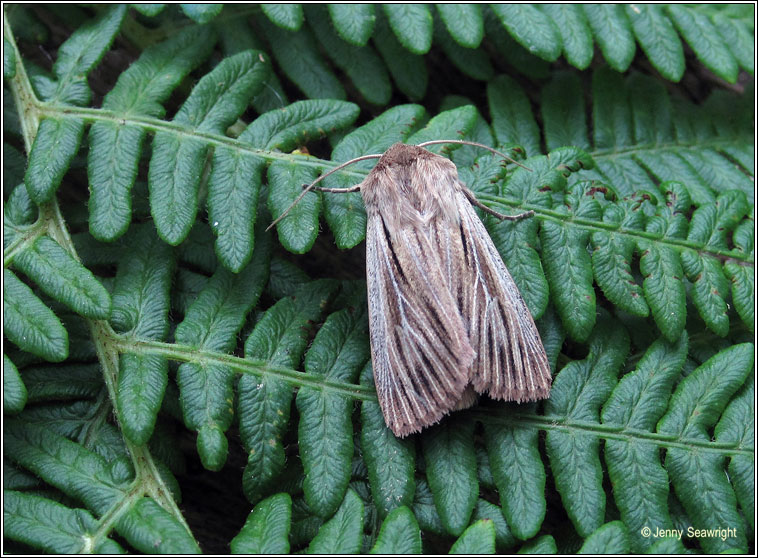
[(434, 188)]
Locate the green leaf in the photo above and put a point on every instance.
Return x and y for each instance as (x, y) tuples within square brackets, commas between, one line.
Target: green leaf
[(515, 241), (743, 48), (611, 113), (14, 166), (51, 383), (353, 22), (361, 64), (541, 545), (667, 165), (266, 529), (52, 527), (408, 70), (236, 35), (298, 56), (115, 149), (148, 10), (702, 35), (613, 33), (62, 463), (512, 118), (718, 172), (55, 145), (425, 510), (464, 22), (235, 179), (650, 176), (552, 335), (263, 404), (286, 16), (736, 427), (651, 110), (390, 460), (577, 393), (479, 538), (342, 534), (141, 385), (212, 324), (325, 429), (140, 306), (473, 62), (451, 124), (568, 270), (150, 528), (711, 223), (637, 402), (30, 324), (611, 261), (399, 534), (700, 397), (511, 51), (574, 31), (667, 545), (177, 163), (412, 25), (298, 230), (709, 289), (698, 478), (519, 475), (9, 60), (82, 52), (658, 38), (141, 289), (377, 136), (531, 28), (233, 188), (563, 112), (663, 287), (741, 276), (490, 512), (299, 123), (611, 538), (451, 471), (201, 13), (14, 390), (59, 275)]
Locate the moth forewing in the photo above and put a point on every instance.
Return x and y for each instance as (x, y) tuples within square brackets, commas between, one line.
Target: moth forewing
[(445, 314), (511, 363)]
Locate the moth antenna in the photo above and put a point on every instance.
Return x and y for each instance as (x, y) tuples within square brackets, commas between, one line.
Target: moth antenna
[(319, 179), (501, 216), (276, 94), (475, 144)]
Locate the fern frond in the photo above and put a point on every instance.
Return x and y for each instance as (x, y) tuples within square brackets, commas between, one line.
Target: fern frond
[(721, 40), (163, 311)]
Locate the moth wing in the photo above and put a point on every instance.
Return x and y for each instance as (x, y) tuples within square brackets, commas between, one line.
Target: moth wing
[(511, 363), (420, 349)]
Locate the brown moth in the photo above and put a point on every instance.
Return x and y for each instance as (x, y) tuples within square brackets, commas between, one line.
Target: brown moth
[(446, 319)]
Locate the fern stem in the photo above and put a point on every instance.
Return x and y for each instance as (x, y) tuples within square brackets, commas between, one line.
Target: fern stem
[(261, 368), (25, 101), (185, 353), (608, 432), (147, 476), (680, 244)]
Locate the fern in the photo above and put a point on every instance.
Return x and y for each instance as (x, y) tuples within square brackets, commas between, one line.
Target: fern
[(162, 310)]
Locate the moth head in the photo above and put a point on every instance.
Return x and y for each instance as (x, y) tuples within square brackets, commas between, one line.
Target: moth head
[(398, 154)]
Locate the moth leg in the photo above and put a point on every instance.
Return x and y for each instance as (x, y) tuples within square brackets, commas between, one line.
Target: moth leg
[(472, 198), (355, 188)]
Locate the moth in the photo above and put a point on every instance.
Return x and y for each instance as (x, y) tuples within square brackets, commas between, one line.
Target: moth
[(446, 320)]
